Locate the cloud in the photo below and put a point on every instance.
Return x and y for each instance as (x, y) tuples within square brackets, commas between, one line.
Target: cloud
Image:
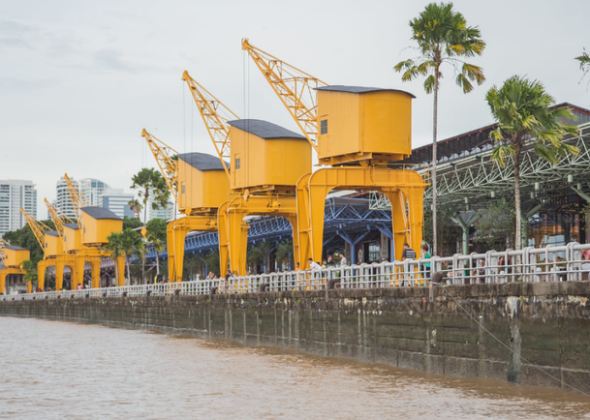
[(111, 60), (15, 35), (19, 85)]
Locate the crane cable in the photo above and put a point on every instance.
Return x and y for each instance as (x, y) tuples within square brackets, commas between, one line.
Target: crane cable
[(539, 368)]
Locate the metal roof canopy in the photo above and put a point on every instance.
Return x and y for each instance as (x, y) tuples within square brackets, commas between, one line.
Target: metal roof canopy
[(359, 89), (202, 161), (99, 213), (14, 248), (52, 233), (265, 130)]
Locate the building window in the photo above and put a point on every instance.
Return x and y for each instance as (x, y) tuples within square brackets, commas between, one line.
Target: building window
[(374, 251), (183, 189), (238, 163), (324, 127)]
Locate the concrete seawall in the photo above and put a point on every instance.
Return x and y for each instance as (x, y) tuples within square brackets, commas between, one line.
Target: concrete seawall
[(548, 324)]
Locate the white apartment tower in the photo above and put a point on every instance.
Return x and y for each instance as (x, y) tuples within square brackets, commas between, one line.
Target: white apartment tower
[(15, 194), (92, 189)]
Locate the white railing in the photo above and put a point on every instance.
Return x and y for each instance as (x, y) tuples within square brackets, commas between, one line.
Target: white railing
[(550, 264)]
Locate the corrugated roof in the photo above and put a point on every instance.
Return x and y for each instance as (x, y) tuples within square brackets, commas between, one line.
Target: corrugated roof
[(99, 213), (359, 89), (202, 161), (14, 248), (265, 130), (52, 233), (72, 226)]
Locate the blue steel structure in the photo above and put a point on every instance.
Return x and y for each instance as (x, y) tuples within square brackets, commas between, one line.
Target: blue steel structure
[(346, 219)]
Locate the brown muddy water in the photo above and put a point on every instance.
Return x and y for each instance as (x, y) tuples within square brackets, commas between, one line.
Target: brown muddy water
[(58, 370)]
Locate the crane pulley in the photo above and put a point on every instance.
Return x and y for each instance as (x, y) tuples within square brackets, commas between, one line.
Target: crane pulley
[(78, 199), (59, 219), (39, 228), (167, 159), (215, 115), (294, 88)]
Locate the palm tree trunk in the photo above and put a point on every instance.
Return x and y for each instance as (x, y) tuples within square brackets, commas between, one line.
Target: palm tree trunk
[(157, 264), (518, 234), (434, 134), (116, 270), (128, 271)]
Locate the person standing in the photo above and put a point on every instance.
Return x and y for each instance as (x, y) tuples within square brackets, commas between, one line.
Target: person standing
[(313, 265), (343, 260), (426, 266)]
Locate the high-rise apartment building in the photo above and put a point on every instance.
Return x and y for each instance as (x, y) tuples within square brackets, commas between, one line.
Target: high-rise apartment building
[(92, 189), (117, 201), (15, 194)]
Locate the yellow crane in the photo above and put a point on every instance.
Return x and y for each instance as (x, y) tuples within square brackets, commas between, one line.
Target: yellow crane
[(199, 186), (265, 162), (12, 258), (357, 130), (85, 239), (64, 258), (50, 243)]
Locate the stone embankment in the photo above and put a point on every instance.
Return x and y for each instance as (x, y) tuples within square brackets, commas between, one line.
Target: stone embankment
[(547, 324)]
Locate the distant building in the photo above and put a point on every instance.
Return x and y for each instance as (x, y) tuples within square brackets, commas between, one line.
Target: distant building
[(92, 189), (62, 201), (15, 194), (117, 201), (165, 214)]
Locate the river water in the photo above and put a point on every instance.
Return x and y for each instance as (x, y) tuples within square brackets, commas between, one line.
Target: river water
[(58, 370)]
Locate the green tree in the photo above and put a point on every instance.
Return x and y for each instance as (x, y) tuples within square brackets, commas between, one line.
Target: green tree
[(284, 253), (25, 238), (156, 236), (258, 254), (521, 110), (124, 243), (584, 60), (497, 222), (148, 181), (211, 260), (131, 223), (30, 268), (443, 37)]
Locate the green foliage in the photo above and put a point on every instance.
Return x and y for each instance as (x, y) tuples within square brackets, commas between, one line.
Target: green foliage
[(212, 261), (521, 108), (124, 243), (149, 181), (496, 225), (447, 231), (156, 233), (131, 223), (258, 252), (25, 238), (30, 268), (443, 36), (584, 60), (284, 253)]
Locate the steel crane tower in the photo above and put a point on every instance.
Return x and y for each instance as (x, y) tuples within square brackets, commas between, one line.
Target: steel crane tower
[(357, 131)]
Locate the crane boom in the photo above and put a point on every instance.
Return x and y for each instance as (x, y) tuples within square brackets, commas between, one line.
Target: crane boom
[(78, 199), (165, 157), (38, 228), (58, 218), (3, 256), (293, 87), (215, 115)]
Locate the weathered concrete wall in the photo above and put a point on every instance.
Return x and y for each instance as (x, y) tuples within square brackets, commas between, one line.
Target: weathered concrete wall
[(548, 324)]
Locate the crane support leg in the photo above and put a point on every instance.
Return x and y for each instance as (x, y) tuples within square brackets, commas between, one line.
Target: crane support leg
[(223, 238), (176, 234), (79, 271), (120, 270), (266, 205), (404, 188), (59, 273), (41, 268), (95, 267), (5, 273)]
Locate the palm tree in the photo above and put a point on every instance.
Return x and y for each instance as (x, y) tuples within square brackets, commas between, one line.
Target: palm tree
[(30, 269), (584, 60), (156, 235), (442, 36), (521, 110), (149, 182), (124, 243)]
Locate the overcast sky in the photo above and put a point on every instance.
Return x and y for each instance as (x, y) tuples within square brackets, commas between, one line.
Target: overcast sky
[(79, 79)]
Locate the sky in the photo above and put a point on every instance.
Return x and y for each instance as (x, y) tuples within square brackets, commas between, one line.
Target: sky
[(80, 80)]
